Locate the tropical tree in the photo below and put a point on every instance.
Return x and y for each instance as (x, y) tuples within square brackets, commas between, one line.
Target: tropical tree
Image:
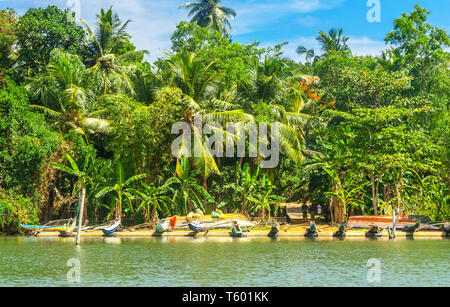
[(122, 190), (245, 185), (262, 199), (210, 13), (420, 48), (83, 180), (198, 83), (40, 30), (106, 53), (154, 199), (333, 41), (196, 80), (309, 53), (8, 20), (66, 96), (188, 194)]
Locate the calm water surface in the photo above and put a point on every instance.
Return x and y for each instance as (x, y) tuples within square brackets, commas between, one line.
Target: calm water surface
[(30, 261)]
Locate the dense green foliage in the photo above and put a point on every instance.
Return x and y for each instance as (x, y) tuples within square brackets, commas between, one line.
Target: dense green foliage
[(81, 109)]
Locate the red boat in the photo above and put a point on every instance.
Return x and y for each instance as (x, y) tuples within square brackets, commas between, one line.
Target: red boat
[(385, 221)]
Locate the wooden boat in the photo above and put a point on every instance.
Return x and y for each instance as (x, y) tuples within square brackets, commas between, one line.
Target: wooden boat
[(384, 221), (110, 229), (196, 227), (42, 228), (68, 230), (162, 227)]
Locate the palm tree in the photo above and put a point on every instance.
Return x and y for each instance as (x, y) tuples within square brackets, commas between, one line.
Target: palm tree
[(273, 83), (67, 95), (198, 81), (309, 53), (188, 193), (210, 13), (104, 51), (121, 189), (333, 41)]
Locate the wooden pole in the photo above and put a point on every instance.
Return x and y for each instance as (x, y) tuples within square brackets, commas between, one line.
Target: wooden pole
[(80, 217)]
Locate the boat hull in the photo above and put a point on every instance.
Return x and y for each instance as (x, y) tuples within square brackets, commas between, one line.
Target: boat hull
[(111, 229), (196, 228)]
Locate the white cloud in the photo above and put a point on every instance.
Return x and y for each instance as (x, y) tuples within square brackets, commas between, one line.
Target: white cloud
[(366, 46)]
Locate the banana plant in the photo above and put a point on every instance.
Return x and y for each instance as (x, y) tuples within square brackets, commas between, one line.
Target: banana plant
[(263, 198), (188, 193), (154, 199), (121, 189)]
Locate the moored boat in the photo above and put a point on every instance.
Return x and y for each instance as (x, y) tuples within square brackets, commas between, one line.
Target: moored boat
[(196, 227), (41, 227), (162, 226), (68, 229), (383, 221), (111, 229)]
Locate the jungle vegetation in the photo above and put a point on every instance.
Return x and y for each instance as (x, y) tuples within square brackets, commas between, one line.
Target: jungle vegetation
[(82, 108)]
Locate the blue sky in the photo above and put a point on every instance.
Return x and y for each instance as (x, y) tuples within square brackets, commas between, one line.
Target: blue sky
[(269, 22)]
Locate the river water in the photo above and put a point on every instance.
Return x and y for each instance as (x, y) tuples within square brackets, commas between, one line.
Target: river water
[(223, 262)]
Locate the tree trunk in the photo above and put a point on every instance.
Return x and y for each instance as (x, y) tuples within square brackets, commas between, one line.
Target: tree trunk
[(80, 217), (374, 196), (244, 203)]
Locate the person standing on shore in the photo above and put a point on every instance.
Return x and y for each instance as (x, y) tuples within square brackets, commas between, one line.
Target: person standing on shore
[(305, 211), (312, 212)]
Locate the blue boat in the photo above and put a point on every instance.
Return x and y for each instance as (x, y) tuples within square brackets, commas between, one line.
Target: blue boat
[(42, 228), (196, 227), (110, 229)]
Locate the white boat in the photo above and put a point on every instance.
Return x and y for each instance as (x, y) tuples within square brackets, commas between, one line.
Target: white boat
[(110, 229)]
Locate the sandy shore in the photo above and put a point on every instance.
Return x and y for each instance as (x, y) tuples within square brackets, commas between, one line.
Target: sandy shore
[(299, 231)]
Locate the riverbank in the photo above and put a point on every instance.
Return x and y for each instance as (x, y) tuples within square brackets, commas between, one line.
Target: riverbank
[(298, 231)]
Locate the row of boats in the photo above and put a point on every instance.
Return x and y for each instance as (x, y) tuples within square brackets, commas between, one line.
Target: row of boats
[(108, 229), (374, 224), (68, 228)]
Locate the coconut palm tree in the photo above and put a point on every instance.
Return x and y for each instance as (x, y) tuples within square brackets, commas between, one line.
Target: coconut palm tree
[(198, 81), (104, 51), (309, 53), (210, 13), (333, 41), (68, 95)]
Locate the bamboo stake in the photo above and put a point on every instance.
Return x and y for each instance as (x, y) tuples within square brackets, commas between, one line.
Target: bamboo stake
[(80, 217)]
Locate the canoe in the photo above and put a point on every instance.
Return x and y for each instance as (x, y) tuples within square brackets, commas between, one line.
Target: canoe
[(195, 227), (42, 228), (68, 230), (162, 227), (382, 221), (110, 229)]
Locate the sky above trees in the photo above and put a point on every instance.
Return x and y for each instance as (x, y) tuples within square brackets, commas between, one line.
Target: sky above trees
[(269, 22)]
